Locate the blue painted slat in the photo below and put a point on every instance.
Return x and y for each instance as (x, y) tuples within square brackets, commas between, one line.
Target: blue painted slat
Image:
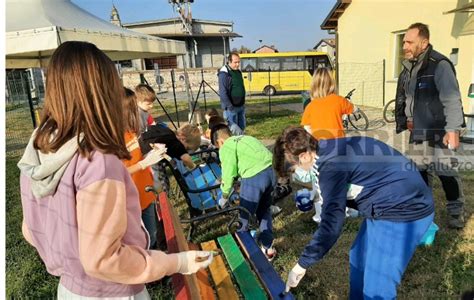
[(216, 169), (195, 198), (268, 276), (210, 180), (206, 197)]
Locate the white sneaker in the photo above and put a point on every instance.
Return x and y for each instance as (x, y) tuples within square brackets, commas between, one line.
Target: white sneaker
[(269, 253), (317, 219), (275, 210), (222, 202)]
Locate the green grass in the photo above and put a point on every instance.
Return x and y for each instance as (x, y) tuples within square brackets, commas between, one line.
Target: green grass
[(443, 270)]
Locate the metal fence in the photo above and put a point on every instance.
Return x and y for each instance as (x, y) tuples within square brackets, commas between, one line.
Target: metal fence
[(21, 113)]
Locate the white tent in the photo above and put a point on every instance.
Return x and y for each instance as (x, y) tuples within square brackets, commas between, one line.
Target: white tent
[(35, 28)]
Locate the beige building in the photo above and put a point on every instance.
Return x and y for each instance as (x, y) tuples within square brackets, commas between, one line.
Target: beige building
[(371, 32)]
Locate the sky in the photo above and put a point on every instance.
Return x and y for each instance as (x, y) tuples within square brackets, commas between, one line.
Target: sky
[(290, 25)]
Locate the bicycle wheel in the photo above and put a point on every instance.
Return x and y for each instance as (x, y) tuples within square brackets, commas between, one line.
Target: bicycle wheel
[(359, 120), (389, 111)]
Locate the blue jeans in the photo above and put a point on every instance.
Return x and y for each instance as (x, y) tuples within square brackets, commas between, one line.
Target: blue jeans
[(380, 254), (255, 195), (150, 220), (236, 119)]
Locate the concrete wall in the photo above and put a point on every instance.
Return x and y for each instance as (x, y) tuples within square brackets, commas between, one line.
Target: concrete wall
[(367, 34)]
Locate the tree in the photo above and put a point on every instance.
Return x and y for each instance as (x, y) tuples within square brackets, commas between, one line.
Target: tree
[(244, 49)]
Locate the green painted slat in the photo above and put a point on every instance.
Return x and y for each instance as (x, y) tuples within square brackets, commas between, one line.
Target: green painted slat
[(248, 282)]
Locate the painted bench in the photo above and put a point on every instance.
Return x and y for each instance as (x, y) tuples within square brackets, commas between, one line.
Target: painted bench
[(201, 188), (240, 270)]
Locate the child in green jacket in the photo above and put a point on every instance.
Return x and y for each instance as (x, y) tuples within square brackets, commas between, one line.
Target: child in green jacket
[(246, 157)]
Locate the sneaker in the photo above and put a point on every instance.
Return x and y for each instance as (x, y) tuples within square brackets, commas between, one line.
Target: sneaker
[(275, 210), (317, 219), (281, 191), (456, 222), (223, 202), (270, 253)]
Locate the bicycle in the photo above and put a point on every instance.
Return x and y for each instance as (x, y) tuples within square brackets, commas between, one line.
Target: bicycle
[(358, 119), (389, 111)]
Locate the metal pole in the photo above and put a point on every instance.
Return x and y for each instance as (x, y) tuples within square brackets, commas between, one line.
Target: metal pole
[(269, 96), (203, 89), (174, 96), (30, 99), (383, 82)]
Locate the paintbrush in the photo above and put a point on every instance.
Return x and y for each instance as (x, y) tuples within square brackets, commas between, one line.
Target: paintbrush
[(204, 258)]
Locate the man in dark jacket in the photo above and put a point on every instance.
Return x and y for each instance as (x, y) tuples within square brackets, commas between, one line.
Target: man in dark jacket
[(232, 93), (429, 106)]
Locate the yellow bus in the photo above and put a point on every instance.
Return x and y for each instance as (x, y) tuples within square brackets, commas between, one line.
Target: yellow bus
[(270, 73)]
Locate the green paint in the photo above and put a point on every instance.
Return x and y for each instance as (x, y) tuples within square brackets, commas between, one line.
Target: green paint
[(248, 282)]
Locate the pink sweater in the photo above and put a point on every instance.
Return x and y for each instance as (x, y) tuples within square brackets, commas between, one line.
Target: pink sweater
[(89, 230)]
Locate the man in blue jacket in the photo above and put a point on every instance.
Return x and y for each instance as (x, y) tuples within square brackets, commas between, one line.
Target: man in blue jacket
[(396, 204), (232, 94)]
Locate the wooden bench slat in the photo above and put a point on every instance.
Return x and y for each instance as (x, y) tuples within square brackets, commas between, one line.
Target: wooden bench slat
[(195, 198), (222, 280), (268, 276), (206, 198), (216, 169), (211, 180), (205, 289), (248, 283), (185, 287)]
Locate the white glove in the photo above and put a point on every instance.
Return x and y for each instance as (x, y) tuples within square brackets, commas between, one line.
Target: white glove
[(190, 262), (152, 158), (295, 276)]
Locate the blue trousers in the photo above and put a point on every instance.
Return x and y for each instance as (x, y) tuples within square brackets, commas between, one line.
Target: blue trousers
[(150, 220), (255, 195), (236, 117), (380, 254)]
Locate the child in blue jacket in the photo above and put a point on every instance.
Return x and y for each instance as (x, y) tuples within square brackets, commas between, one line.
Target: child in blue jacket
[(396, 204)]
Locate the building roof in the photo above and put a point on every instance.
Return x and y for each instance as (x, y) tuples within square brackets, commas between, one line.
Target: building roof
[(468, 7), (330, 23), (173, 20), (261, 47), (200, 34), (330, 42)]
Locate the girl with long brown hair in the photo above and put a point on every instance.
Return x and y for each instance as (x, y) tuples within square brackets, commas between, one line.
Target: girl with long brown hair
[(81, 208)]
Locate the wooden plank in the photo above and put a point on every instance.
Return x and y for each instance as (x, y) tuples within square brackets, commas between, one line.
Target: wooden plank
[(248, 283), (205, 289), (195, 198), (206, 197), (185, 287), (222, 280), (216, 169), (268, 276), (210, 180)]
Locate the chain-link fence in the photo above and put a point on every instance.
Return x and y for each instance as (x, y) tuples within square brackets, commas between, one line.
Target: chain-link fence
[(368, 80), (20, 113)]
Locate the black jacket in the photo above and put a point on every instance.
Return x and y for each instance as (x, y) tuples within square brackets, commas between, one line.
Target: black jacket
[(429, 119)]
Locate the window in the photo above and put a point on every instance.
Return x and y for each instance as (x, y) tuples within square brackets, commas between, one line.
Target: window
[(399, 56), (272, 63), (292, 63), (315, 62), (248, 64), (322, 62), (125, 63)]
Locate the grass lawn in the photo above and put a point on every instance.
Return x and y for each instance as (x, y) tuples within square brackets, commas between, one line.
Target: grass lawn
[(442, 270)]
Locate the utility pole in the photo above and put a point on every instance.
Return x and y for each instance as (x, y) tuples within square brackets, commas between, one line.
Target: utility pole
[(183, 8)]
